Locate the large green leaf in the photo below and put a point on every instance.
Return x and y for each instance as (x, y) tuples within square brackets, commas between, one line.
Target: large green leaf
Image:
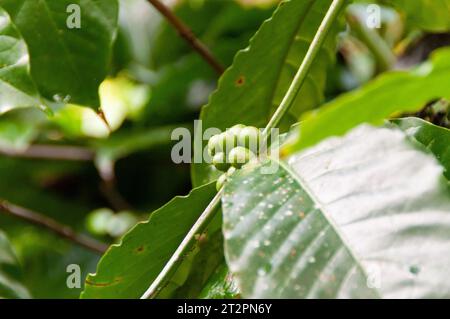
[(363, 216), (207, 258), (10, 286), (183, 79), (430, 15), (67, 63), (128, 269), (435, 138), (251, 89), (16, 86), (390, 94)]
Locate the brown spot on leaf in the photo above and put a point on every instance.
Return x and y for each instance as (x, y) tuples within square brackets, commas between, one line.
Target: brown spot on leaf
[(201, 239), (293, 253), (102, 284), (140, 249), (240, 81)]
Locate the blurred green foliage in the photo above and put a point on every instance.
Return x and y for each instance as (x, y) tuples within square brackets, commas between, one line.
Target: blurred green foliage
[(154, 83)]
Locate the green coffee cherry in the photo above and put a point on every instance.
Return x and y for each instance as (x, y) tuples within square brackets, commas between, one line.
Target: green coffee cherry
[(249, 138), (220, 162), (221, 181), (231, 171), (235, 147), (228, 141), (214, 145), (239, 156), (236, 130)]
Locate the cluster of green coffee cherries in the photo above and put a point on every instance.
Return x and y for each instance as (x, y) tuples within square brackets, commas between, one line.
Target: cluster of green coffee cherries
[(232, 149)]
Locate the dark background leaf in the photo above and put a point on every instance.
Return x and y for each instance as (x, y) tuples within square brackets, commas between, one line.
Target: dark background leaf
[(67, 63)]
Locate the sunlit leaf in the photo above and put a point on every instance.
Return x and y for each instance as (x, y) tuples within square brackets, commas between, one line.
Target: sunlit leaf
[(390, 94), (363, 216), (430, 15)]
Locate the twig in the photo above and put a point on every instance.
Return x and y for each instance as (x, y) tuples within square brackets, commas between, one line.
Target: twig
[(108, 187), (186, 33), (113, 196), (210, 211), (53, 226), (54, 152)]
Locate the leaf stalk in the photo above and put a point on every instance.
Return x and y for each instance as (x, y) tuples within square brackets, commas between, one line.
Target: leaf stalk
[(303, 71)]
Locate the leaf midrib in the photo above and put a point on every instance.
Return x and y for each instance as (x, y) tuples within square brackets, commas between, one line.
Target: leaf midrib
[(321, 207)]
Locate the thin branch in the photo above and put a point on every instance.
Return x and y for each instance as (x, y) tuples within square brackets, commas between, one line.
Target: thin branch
[(108, 187), (59, 229), (52, 152), (187, 34), (210, 211), (113, 196)]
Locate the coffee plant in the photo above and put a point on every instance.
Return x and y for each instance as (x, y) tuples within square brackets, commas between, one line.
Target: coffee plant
[(310, 136)]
